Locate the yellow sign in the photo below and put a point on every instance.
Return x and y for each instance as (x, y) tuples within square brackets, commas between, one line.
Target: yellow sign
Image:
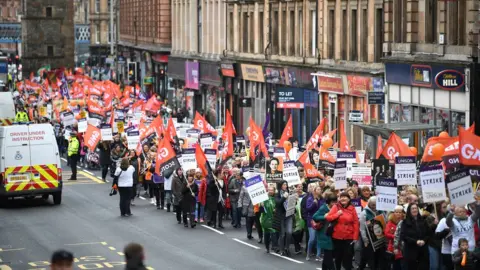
[(83, 114), (42, 111), (253, 73), (120, 127)]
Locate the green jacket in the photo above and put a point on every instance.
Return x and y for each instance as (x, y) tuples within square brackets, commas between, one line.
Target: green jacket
[(73, 146), (21, 117), (266, 218), (299, 221), (324, 241)]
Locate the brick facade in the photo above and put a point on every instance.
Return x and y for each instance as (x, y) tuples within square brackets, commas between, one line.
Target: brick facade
[(41, 33), (9, 9)]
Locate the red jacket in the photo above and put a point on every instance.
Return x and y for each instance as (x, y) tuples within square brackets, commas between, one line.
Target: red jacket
[(390, 235), (348, 226), (202, 192)]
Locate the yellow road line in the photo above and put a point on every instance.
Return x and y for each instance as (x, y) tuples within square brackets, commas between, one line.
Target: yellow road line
[(104, 243), (5, 267), (12, 249), (81, 244), (120, 253), (91, 177), (112, 248)]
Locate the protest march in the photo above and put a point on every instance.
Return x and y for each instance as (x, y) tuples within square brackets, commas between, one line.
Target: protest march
[(323, 201)]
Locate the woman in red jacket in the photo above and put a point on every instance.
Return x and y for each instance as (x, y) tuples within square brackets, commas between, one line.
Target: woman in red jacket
[(343, 217), (395, 255)]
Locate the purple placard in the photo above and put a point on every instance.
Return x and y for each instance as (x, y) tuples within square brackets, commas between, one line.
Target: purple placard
[(206, 135), (384, 182), (193, 131), (188, 151), (458, 175), (105, 126), (431, 168), (347, 155), (451, 162), (191, 75), (133, 133), (340, 164), (279, 150), (356, 202), (404, 160), (252, 181), (210, 151)]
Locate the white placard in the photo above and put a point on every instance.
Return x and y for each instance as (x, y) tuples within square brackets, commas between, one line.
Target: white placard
[(256, 189), (206, 141), (68, 119), (211, 155), (133, 137), (340, 175), (386, 194), (350, 158), (460, 187), (433, 184), (106, 132), (405, 171), (290, 173), (290, 204), (189, 161), (362, 173), (82, 125)]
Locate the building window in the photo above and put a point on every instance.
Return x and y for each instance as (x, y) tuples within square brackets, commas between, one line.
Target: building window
[(353, 35), (50, 51), (313, 35), (97, 33), (260, 32), (97, 6), (379, 22), (48, 12), (199, 31), (331, 33), (109, 33)]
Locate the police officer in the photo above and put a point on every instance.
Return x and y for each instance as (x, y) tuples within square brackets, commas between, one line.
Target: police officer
[(22, 116), (73, 155)]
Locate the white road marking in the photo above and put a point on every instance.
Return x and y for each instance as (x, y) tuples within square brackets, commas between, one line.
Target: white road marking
[(122, 254), (89, 172), (112, 248), (286, 258), (81, 244), (212, 229), (142, 198), (64, 159), (245, 243)]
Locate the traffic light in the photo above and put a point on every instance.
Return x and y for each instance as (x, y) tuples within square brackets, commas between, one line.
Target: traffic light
[(132, 72), (161, 73), (17, 60)]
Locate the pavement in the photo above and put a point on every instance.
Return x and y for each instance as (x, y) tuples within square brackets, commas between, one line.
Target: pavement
[(88, 223)]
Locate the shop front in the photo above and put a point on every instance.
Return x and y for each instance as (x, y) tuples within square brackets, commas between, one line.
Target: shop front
[(427, 93), (302, 105), (344, 99), (161, 83), (251, 97), (227, 71), (213, 93)]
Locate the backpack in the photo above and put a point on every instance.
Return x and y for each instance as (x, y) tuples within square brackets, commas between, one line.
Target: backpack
[(303, 206)]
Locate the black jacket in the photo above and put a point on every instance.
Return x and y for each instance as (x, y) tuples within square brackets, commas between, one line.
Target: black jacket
[(213, 195), (413, 230), (104, 155), (189, 200), (470, 263)]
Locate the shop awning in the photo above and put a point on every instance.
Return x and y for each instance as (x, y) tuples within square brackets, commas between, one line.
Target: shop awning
[(400, 128)]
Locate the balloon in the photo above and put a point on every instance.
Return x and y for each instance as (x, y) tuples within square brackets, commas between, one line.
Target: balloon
[(414, 150), (288, 146), (438, 150), (247, 131), (327, 142), (443, 134)]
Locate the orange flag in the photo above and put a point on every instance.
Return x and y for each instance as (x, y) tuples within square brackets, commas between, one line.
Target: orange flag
[(396, 147), (379, 147), (325, 155), (200, 123), (166, 160), (449, 143), (201, 160), (469, 148), (344, 145), (229, 122), (287, 132), (317, 134), (170, 132), (227, 138), (471, 128), (92, 137)]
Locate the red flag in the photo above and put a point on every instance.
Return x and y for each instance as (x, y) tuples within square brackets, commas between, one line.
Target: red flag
[(153, 104), (344, 145), (450, 142), (471, 128), (229, 122), (287, 132), (325, 155), (256, 139), (227, 138), (304, 158), (170, 132), (396, 147), (201, 160), (317, 135), (379, 147), (469, 148)]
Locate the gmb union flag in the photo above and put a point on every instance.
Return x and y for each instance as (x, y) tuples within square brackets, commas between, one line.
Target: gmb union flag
[(166, 162)]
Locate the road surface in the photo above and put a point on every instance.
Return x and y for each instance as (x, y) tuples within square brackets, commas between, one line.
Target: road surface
[(88, 223)]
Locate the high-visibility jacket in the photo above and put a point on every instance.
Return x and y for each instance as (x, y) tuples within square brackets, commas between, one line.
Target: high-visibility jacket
[(73, 146), (21, 117)]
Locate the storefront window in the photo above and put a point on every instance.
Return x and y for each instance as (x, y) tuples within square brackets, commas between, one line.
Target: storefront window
[(442, 119), (395, 113), (458, 119), (406, 113), (427, 117)]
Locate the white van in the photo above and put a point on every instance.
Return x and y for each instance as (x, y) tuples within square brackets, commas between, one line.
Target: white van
[(30, 162), (7, 109)]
